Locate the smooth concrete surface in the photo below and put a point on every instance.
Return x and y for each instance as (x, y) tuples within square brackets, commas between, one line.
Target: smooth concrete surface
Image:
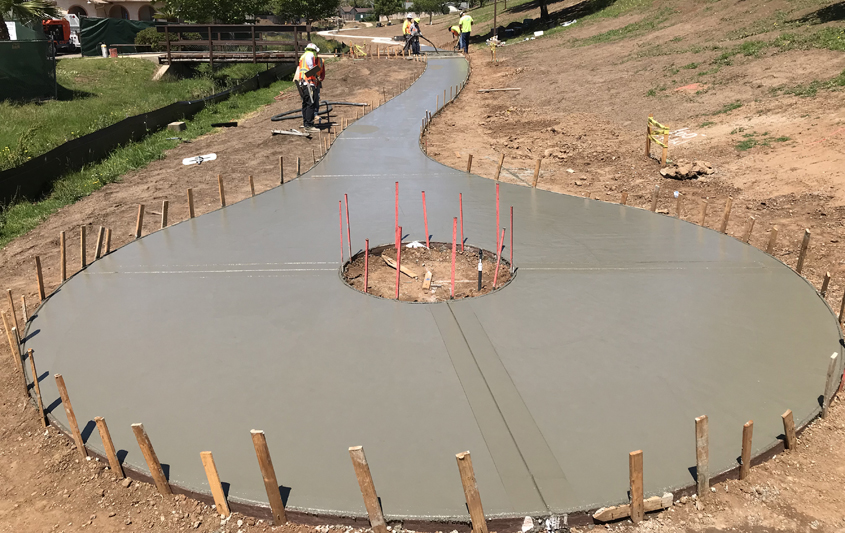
[(620, 327)]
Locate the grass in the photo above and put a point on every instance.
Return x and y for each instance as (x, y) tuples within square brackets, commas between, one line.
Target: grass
[(750, 140), (21, 217), (705, 124), (649, 23), (96, 93), (728, 108), (811, 89)]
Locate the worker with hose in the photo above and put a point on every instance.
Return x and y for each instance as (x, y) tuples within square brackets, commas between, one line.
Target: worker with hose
[(465, 22), (309, 78), (411, 32)]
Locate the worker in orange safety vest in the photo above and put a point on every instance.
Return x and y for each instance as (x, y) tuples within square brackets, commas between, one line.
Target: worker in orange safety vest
[(309, 78)]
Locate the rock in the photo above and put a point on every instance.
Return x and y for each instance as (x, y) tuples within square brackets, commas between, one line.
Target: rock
[(197, 524), (683, 500), (111, 514), (126, 482), (698, 505), (127, 521)]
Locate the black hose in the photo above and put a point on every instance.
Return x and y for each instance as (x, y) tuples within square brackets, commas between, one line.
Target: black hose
[(297, 113), (436, 51)]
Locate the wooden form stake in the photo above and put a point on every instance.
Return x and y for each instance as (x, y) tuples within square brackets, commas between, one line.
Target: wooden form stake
[(499, 166), (101, 235), (190, 203), (271, 485), (108, 240), (220, 503), (702, 456), (24, 314), (635, 475), (747, 434), (773, 238), (63, 255), (40, 278), (165, 205), (678, 205), (368, 489), (71, 417), (802, 254), (139, 222), (82, 247), (788, 430), (222, 191), (16, 350), (654, 196), (299, 165), (152, 459), (108, 446), (825, 283), (281, 169), (724, 227), (340, 222), (469, 163), (536, 173), (624, 200), (703, 214), (511, 246), (37, 388), (473, 498), (829, 384), (748, 230), (14, 314)]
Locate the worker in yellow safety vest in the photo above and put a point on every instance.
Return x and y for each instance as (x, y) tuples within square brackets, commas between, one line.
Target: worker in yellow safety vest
[(456, 36), (465, 23), (309, 78)]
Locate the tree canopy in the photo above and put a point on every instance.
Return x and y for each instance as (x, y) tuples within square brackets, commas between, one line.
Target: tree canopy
[(222, 11), (385, 8), (431, 7), (307, 10)]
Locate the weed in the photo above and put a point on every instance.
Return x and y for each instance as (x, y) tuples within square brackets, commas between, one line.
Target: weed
[(690, 66), (750, 140), (705, 124), (729, 107)]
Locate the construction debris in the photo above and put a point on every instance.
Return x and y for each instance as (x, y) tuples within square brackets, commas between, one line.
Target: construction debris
[(655, 503), (290, 132), (684, 170), (199, 160), (494, 90), (392, 264)]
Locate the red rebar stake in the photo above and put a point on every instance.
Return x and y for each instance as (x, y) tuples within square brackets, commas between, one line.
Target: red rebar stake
[(340, 218), (398, 261), (497, 216), (348, 230), (498, 260), (461, 211), (396, 218), (511, 239), (425, 218), (366, 264), (454, 253)]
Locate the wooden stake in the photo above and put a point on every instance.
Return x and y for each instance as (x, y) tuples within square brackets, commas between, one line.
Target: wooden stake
[(678, 205), (536, 173), (108, 446), (473, 498), (82, 247), (702, 456), (726, 216), (23, 309), (829, 384), (40, 278), (648, 137), (469, 163), (747, 433), (654, 196), (313, 158), (368, 489), (748, 230), (825, 283), (108, 240), (152, 459), (499, 167), (803, 253), (165, 206), (773, 237), (665, 155), (139, 222), (788, 430), (281, 169), (222, 191), (220, 503), (635, 475), (63, 254), (37, 388), (624, 198), (101, 234), (277, 507), (15, 348), (13, 313), (190, 203), (299, 165), (703, 215), (71, 417), (366, 265)]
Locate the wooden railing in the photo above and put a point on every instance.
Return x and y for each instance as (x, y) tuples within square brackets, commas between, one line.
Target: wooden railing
[(253, 43)]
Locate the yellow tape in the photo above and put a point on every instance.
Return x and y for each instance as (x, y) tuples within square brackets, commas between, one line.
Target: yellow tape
[(360, 50), (653, 138), (653, 122)]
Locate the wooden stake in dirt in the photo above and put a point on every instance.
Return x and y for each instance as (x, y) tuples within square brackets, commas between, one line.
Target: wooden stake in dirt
[(24, 315), (14, 314), (313, 162), (748, 230), (654, 198), (152, 459), (82, 247), (473, 498), (139, 222), (829, 384), (678, 205), (702, 456), (108, 241), (222, 191), (624, 200), (101, 234), (498, 259), (803, 253), (71, 418), (108, 446), (536, 173), (190, 203), (368, 489), (665, 155), (281, 169), (454, 254), (724, 227), (648, 137), (63, 256), (220, 503), (14, 347), (499, 166), (469, 163), (40, 278), (635, 476), (271, 485), (37, 389), (396, 214), (425, 221), (703, 216), (825, 283), (366, 265), (165, 205), (298, 167), (745, 465), (398, 260), (773, 238), (788, 430)]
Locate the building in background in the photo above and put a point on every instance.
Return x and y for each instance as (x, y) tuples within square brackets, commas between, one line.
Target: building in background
[(117, 9), (357, 14)]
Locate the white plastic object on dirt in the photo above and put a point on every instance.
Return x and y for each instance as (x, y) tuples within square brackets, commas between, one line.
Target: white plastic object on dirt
[(677, 194), (569, 23), (538, 33), (527, 524), (199, 160), (415, 244)]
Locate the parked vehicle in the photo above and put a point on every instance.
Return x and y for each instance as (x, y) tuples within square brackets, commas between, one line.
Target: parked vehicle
[(58, 31)]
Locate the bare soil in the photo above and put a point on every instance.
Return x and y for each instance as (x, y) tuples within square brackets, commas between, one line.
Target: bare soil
[(417, 261)]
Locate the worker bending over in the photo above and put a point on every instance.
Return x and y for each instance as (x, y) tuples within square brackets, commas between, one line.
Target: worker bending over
[(456, 37), (309, 78), (465, 22)]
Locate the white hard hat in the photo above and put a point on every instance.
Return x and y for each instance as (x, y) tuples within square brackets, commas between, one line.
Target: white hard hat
[(312, 46)]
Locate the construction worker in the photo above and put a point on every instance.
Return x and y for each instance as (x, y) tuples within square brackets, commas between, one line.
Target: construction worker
[(309, 78), (465, 23), (415, 37), (456, 36)]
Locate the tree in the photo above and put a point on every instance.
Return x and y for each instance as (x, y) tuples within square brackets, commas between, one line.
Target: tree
[(24, 11), (430, 7), (221, 11), (386, 8), (307, 10)]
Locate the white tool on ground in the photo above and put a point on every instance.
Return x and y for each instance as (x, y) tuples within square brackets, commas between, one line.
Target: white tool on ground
[(290, 132), (199, 160), (414, 244), (527, 524)]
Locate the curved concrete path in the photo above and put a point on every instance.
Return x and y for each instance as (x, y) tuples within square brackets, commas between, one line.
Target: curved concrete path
[(620, 327)]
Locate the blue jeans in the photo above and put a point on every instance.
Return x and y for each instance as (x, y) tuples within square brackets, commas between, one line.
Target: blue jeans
[(464, 42)]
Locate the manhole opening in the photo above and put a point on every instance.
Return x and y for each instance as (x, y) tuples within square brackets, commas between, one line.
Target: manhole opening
[(415, 262)]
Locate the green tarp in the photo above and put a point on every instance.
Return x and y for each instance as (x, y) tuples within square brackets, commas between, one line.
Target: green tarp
[(22, 32), (95, 31), (27, 70)]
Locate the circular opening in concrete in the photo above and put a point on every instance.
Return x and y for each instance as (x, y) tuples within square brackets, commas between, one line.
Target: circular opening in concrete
[(416, 261)]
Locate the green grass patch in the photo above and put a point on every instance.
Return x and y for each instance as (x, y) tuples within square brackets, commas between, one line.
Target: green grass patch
[(811, 89), (705, 124), (21, 217), (690, 66), (96, 93), (655, 90), (750, 140), (646, 25), (727, 108)]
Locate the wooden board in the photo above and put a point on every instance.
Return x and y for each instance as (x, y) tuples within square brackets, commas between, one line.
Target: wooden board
[(392, 264), (617, 512)]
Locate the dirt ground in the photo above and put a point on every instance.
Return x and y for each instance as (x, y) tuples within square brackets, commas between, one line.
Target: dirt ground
[(417, 261), (44, 486)]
